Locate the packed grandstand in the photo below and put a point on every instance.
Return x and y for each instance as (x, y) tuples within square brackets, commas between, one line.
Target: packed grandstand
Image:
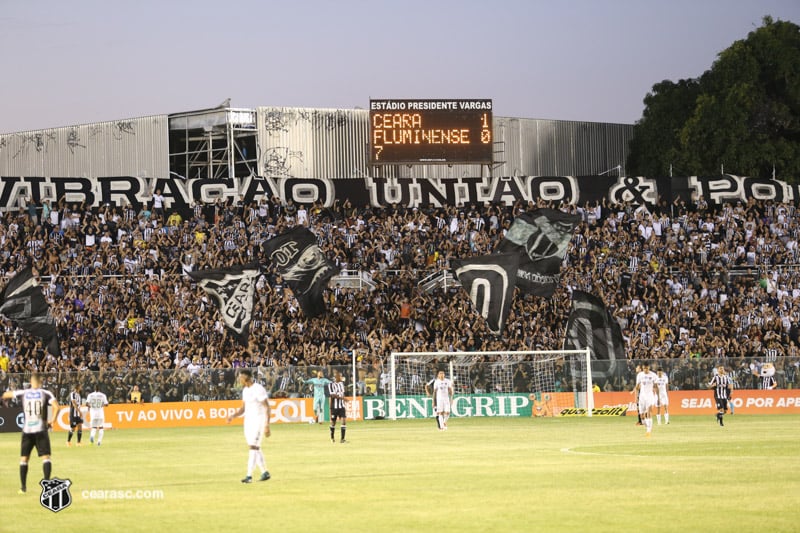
[(690, 285)]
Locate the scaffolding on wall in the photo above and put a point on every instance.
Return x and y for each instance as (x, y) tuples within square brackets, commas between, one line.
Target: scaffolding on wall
[(213, 144)]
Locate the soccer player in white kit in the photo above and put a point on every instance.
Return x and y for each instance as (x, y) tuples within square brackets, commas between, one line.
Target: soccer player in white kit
[(443, 394), (256, 411), (645, 387), (97, 401), (662, 382)]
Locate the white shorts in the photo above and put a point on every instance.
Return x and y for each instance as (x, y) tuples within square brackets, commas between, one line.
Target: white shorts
[(97, 422), (646, 403), (443, 405), (254, 431), (663, 400)]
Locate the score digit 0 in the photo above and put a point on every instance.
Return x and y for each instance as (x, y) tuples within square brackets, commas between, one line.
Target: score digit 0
[(486, 132)]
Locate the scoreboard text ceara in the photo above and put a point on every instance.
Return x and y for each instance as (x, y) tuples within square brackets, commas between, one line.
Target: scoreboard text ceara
[(430, 131)]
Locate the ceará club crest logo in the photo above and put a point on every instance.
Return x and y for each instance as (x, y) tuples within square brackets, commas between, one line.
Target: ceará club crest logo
[(55, 494)]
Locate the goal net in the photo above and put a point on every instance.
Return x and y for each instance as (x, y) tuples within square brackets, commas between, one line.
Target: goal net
[(541, 382)]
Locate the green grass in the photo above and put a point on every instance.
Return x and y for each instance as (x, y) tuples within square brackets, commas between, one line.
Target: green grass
[(484, 474)]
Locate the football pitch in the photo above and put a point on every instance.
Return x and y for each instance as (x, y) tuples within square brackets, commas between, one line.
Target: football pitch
[(483, 474)]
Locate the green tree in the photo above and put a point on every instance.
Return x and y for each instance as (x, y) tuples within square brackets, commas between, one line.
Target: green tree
[(655, 146), (743, 113)]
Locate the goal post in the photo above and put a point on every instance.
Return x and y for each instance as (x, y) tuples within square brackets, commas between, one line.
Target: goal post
[(564, 375)]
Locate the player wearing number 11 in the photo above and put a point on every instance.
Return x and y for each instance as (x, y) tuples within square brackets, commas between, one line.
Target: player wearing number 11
[(40, 408)]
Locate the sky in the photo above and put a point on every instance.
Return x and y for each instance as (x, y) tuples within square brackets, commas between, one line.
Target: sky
[(68, 63)]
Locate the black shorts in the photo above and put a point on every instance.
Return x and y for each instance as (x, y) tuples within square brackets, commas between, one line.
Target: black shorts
[(75, 421), (338, 413), (40, 440), (722, 403)]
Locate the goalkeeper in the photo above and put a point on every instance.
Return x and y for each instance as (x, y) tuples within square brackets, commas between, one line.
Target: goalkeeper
[(319, 384)]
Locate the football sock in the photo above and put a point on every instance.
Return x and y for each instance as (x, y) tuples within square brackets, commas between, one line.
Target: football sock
[(344, 430), (100, 435), (80, 434), (333, 432), (441, 421), (260, 462), (92, 433), (446, 418), (666, 418), (658, 418), (251, 462), (23, 474), (69, 436), (47, 468)]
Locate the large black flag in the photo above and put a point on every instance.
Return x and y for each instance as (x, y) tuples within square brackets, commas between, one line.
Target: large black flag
[(23, 303), (303, 266), (490, 281), (591, 325), (541, 237), (234, 291)]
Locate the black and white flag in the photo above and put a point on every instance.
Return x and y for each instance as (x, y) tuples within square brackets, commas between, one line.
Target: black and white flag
[(591, 325), (304, 267), (541, 237), (23, 303), (490, 281), (234, 291)]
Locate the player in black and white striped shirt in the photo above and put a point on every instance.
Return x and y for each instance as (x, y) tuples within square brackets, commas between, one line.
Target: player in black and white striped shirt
[(75, 419), (335, 391), (40, 408), (721, 384)]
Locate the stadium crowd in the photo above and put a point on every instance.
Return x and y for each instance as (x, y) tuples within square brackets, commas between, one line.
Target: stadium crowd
[(688, 283)]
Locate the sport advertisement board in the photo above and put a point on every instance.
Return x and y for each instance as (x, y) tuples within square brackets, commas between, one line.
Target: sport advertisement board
[(300, 410)]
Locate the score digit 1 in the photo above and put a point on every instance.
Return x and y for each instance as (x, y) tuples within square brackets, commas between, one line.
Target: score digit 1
[(486, 133)]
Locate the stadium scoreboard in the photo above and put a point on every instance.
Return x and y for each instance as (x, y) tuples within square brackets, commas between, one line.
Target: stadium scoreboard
[(430, 132)]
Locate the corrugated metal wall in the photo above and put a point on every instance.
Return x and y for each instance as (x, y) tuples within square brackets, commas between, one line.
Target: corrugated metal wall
[(302, 142), (130, 147), (305, 142), (333, 143)]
